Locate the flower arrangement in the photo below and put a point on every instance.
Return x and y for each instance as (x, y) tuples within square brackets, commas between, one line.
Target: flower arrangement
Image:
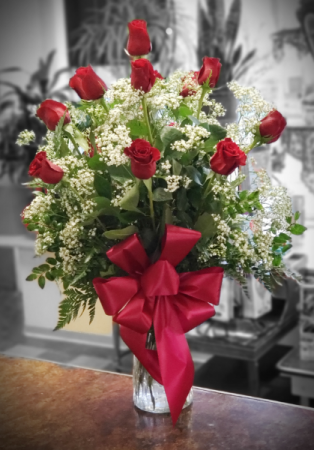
[(138, 195)]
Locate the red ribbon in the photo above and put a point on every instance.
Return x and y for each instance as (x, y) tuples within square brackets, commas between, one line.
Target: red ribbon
[(155, 294)]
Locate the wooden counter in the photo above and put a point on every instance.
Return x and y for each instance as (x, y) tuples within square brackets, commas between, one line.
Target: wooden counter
[(44, 406)]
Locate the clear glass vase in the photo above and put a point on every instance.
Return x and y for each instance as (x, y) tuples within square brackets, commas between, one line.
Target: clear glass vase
[(148, 394)]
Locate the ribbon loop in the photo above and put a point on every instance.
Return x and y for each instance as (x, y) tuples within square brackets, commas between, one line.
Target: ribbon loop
[(160, 279), (156, 295)]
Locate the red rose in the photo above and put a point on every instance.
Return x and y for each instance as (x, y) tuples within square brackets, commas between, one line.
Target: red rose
[(143, 75), (44, 169), (139, 42), (50, 112), (158, 75), (143, 158), (272, 126), (187, 89), (210, 68), (227, 157), (87, 84)]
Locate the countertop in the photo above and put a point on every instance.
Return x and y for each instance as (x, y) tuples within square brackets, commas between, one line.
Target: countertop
[(44, 406)]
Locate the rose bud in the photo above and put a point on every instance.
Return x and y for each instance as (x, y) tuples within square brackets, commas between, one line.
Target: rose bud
[(142, 75), (187, 89), (139, 42), (158, 75), (87, 84), (44, 169), (227, 157), (50, 112), (143, 158), (272, 126), (210, 69)]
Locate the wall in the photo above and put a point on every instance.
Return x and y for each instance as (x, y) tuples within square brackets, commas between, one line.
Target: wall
[(30, 29)]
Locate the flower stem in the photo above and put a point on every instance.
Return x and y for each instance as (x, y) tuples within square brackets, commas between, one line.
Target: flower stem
[(200, 102), (82, 201), (148, 184), (256, 140), (144, 103), (103, 103), (69, 136)]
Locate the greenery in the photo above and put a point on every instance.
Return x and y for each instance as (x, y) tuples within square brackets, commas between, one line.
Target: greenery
[(99, 201), (18, 106), (217, 37)]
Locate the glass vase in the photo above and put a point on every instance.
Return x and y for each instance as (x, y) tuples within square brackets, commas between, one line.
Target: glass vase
[(148, 394)]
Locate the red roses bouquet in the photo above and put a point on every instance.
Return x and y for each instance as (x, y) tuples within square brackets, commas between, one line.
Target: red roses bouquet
[(138, 195)]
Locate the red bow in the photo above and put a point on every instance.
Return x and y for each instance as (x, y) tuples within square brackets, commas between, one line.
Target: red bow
[(155, 294)]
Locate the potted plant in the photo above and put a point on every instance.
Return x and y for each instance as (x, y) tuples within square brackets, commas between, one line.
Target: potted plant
[(217, 35), (100, 40), (17, 113)]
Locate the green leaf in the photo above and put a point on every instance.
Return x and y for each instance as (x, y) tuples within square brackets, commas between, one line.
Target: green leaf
[(297, 228), (279, 240), (285, 236), (194, 174), (95, 164), (66, 283), (121, 233), (188, 157), (32, 227), (194, 120), (103, 208), (50, 276), (78, 277), (41, 282), (195, 196), (43, 267), (297, 216), (58, 129), (277, 260), (102, 186), (149, 184), (37, 271), (184, 111), (217, 133), (182, 200), (51, 261), (253, 195), (160, 195), (119, 172), (31, 277), (137, 128), (131, 199), (168, 214), (243, 195), (176, 167), (102, 202), (126, 217), (288, 219), (206, 225), (64, 149), (170, 135), (80, 139), (286, 248)]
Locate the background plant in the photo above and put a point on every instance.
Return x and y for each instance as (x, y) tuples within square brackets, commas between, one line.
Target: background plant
[(18, 107)]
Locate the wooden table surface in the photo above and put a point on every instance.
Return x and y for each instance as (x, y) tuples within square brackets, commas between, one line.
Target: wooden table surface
[(44, 406)]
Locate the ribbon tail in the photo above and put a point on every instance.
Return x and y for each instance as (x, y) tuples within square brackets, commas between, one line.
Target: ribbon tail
[(175, 361), (136, 343)]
